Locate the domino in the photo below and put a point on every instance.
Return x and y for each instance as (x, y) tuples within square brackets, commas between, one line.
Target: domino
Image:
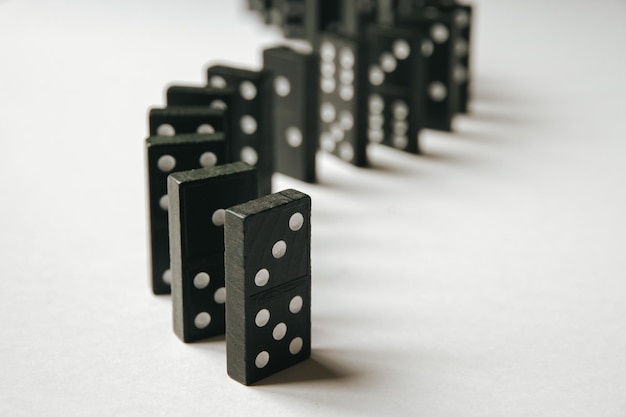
[(439, 35), (294, 113), (396, 96), (197, 200), (268, 285), (172, 121), (343, 97), (164, 155), (250, 132)]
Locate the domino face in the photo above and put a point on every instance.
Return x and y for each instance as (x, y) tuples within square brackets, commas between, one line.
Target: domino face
[(441, 92), (172, 121), (395, 101), (294, 118), (343, 98), (198, 199), (250, 133), (165, 155), (268, 248)]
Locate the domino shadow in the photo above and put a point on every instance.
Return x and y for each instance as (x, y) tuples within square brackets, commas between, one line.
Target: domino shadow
[(319, 367)]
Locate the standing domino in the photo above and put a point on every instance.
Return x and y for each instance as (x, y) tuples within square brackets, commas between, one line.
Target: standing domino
[(294, 112), (197, 203), (439, 36), (250, 133), (268, 285), (343, 97), (396, 98), (165, 155)]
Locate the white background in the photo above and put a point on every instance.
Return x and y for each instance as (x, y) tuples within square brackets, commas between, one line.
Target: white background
[(485, 278)]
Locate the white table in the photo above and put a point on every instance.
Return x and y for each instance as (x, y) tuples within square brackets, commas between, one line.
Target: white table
[(486, 278)]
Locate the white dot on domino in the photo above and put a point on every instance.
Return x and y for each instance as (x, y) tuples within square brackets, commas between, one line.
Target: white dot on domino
[(262, 277), (282, 86), (279, 249), (279, 332), (327, 51), (346, 120), (376, 104), (218, 217), (346, 58), (346, 92), (439, 33), (295, 346), (167, 276), (166, 163), (262, 317), (293, 135), (388, 62), (247, 90), (437, 91), (208, 159), (401, 49), (166, 130), (217, 82), (202, 320), (295, 305), (296, 221), (249, 155), (201, 280), (376, 75), (262, 359), (164, 202), (248, 124), (220, 295), (218, 104), (205, 128), (346, 151), (327, 112)]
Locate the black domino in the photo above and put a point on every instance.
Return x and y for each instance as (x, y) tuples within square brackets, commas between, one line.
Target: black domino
[(197, 203), (439, 36), (294, 113), (343, 97), (396, 97), (250, 130), (164, 155), (268, 285)]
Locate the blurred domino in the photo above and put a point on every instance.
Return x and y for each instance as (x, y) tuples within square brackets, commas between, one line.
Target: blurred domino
[(250, 130), (197, 203), (294, 113)]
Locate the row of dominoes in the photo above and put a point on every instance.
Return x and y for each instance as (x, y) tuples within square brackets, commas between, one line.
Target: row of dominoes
[(234, 263), (348, 91), (439, 30)]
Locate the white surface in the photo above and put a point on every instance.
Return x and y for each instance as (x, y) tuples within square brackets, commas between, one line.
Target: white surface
[(483, 279)]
